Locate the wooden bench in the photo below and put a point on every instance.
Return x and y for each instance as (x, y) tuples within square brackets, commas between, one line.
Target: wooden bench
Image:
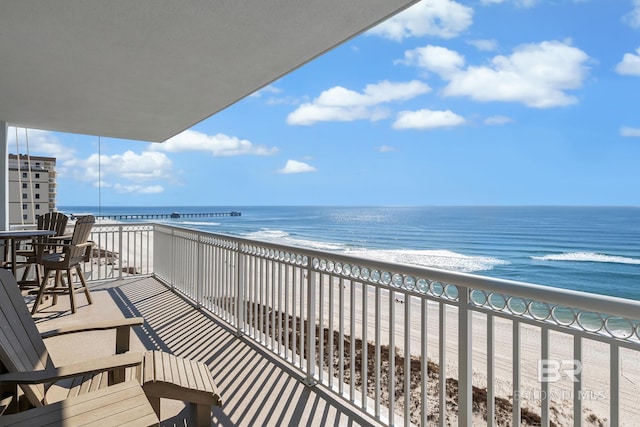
[(167, 376), (123, 404)]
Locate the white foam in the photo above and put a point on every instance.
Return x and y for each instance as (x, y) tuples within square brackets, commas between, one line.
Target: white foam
[(587, 257), (282, 237), (199, 223), (267, 234), (443, 259)]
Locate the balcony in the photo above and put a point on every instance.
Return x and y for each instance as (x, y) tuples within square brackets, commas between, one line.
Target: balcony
[(258, 389), (278, 326)]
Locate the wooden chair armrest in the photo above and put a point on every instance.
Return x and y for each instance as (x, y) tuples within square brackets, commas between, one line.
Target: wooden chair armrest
[(65, 237), (50, 244), (62, 245), (122, 327), (74, 370), (95, 326)]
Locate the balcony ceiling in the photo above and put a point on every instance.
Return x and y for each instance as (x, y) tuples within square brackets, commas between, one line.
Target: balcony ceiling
[(148, 69)]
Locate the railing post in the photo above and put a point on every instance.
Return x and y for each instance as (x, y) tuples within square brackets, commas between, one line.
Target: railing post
[(199, 273), (240, 302), (614, 384), (172, 273), (151, 237), (311, 326), (120, 252), (465, 356)]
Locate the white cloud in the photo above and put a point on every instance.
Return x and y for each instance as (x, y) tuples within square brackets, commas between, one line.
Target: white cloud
[(219, 145), (630, 64), (294, 166), (439, 18), (521, 3), (374, 94), (138, 189), (308, 114), (537, 75), (341, 104), (484, 45), (129, 165), (439, 60), (633, 18), (122, 172), (497, 120), (42, 142), (269, 89), (630, 132), (427, 119), (273, 95)]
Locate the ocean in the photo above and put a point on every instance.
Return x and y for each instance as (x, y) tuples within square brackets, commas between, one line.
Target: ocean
[(592, 249)]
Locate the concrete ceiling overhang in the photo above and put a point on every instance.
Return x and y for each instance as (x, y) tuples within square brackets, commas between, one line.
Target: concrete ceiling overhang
[(149, 69)]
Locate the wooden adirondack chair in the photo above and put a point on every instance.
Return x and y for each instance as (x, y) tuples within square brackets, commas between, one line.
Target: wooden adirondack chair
[(54, 221), (70, 256), (25, 363), (24, 355)]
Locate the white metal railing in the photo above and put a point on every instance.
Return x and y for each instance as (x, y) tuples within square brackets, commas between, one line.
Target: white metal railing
[(120, 250), (374, 333)]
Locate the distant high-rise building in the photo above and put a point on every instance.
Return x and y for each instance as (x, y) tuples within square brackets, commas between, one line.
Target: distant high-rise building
[(32, 188)]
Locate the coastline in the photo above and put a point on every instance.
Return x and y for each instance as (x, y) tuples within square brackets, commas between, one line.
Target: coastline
[(591, 249)]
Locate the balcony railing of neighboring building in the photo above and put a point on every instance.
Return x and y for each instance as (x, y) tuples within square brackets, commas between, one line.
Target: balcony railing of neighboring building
[(35, 168), (375, 334)]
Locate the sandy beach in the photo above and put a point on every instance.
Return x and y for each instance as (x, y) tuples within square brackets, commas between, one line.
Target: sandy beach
[(594, 393)]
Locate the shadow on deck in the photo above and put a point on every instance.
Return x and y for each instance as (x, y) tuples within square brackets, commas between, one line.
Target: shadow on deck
[(256, 388)]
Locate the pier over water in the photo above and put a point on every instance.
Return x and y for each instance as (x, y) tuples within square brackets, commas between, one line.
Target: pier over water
[(170, 215)]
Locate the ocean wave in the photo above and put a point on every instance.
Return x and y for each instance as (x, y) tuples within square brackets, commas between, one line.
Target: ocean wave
[(284, 238), (267, 234), (443, 259), (587, 257), (199, 223)]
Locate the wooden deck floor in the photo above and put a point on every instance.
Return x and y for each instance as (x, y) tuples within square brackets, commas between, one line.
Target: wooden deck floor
[(257, 389)]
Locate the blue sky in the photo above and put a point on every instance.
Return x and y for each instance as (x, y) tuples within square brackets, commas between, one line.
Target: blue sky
[(486, 102)]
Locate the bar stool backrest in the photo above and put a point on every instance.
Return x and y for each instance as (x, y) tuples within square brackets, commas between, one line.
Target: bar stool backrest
[(54, 221)]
